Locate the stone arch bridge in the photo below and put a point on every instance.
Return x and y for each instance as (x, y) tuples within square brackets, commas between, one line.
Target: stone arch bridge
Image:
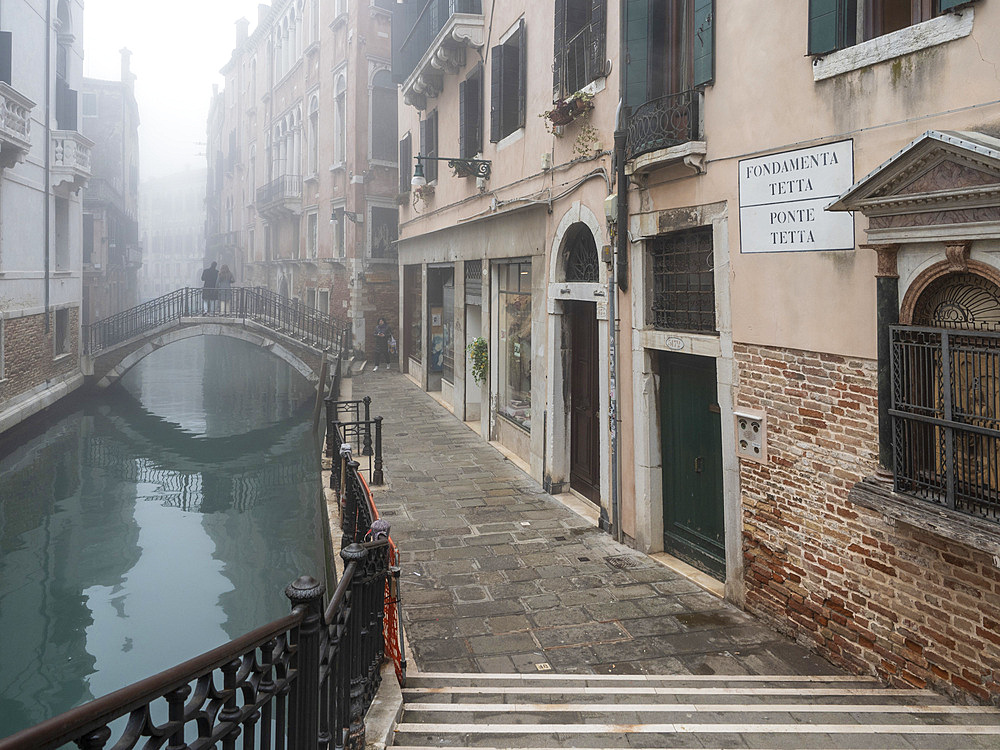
[(308, 340)]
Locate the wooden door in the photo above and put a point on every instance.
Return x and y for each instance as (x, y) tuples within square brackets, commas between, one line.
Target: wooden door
[(691, 438), (585, 401)]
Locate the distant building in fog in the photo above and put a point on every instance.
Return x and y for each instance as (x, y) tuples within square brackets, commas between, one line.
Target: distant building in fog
[(172, 212), (111, 251)]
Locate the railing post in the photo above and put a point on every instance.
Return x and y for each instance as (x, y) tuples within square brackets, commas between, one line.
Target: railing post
[(350, 502), (95, 740), (303, 708), (368, 407), (377, 476), (356, 632)]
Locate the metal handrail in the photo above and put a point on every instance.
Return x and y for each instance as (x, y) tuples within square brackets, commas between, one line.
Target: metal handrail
[(258, 304)]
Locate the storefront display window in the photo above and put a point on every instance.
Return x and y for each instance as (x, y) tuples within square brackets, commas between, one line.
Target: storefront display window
[(514, 350)]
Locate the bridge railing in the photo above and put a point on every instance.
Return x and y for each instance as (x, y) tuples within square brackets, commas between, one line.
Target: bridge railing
[(302, 682), (259, 304)]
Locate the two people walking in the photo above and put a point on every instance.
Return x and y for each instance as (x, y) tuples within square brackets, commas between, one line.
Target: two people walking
[(217, 287)]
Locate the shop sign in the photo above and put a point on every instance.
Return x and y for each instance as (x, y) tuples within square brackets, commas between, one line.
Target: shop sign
[(783, 195)]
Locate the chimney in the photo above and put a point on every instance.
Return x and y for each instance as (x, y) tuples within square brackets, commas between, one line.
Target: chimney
[(127, 76), (242, 31)]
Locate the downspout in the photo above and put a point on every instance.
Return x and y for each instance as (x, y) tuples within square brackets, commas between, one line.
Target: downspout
[(48, 152), (619, 278)]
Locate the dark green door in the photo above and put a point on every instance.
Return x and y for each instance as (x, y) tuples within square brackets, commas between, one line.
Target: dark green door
[(691, 436)]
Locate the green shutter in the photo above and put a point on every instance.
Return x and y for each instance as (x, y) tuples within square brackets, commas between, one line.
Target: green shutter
[(944, 5), (522, 76), (598, 55), (636, 51), (496, 91), (824, 21), (703, 42), (463, 142)]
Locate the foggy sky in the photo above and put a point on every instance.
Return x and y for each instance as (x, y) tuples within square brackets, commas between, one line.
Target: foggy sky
[(177, 51)]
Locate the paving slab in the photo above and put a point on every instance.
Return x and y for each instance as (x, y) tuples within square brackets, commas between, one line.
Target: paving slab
[(499, 576)]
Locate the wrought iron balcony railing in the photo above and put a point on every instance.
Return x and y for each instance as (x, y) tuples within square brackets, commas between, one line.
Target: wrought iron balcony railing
[(285, 188), (663, 123), (435, 44)]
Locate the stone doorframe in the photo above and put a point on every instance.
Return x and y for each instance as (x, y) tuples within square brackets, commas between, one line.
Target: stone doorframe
[(557, 427), (646, 343)]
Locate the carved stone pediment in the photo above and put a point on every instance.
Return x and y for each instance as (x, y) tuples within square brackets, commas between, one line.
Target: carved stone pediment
[(943, 185)]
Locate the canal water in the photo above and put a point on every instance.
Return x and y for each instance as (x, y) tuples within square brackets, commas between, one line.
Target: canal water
[(152, 522)]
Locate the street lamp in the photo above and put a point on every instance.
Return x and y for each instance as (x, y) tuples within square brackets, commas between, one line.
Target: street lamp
[(479, 168)]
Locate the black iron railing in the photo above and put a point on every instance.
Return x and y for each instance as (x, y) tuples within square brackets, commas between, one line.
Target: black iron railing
[(280, 314), (286, 187), (946, 417), (662, 123), (432, 18), (351, 433)]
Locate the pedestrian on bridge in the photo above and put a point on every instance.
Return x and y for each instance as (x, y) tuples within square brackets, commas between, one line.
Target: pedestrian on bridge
[(225, 286), (208, 293)]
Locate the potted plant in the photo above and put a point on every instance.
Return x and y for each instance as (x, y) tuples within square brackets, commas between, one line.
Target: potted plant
[(479, 355), (564, 111)]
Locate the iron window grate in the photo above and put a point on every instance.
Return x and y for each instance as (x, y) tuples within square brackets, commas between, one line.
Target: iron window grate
[(684, 281)]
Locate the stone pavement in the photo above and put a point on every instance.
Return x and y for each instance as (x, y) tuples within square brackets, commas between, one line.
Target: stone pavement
[(497, 576)]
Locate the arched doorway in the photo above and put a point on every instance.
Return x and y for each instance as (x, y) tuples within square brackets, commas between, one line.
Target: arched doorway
[(583, 358)]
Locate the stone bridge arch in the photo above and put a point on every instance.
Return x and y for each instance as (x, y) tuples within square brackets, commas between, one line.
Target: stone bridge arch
[(109, 366)]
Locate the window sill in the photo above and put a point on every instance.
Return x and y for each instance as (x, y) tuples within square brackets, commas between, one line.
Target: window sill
[(906, 41), (512, 423), (510, 139), (941, 522)]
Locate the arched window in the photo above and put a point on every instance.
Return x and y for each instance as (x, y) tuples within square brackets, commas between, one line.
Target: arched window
[(581, 254), (340, 120), (382, 131), (313, 135)]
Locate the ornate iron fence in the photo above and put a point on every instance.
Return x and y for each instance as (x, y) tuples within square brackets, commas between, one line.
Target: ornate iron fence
[(664, 122), (946, 417), (351, 432), (259, 304)]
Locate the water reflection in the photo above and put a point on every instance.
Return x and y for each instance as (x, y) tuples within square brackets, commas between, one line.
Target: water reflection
[(153, 523)]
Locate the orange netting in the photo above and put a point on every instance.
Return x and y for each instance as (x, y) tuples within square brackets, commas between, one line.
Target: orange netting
[(390, 628)]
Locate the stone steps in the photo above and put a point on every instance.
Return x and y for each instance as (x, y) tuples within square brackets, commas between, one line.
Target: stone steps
[(681, 711)]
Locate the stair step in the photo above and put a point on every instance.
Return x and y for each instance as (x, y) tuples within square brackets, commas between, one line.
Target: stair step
[(543, 709)]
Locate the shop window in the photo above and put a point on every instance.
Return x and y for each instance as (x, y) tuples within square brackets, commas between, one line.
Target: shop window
[(412, 310), (514, 345), (508, 84), (683, 281), (836, 24)]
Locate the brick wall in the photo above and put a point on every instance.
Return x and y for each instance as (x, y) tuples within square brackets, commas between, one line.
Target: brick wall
[(28, 352), (870, 595)]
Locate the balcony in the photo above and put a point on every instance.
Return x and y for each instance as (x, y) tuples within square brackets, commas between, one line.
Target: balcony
[(70, 160), (435, 46), (666, 132), (280, 198), (15, 126)]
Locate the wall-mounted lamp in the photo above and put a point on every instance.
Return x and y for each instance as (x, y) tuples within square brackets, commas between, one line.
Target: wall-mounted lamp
[(480, 168), (355, 216)]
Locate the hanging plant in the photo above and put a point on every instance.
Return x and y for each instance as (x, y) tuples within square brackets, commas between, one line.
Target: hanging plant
[(564, 111), (479, 355)]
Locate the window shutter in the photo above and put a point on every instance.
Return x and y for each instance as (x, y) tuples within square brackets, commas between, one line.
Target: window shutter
[(704, 42), (559, 56), (636, 51), (405, 164), (496, 92), (598, 34), (944, 5), (522, 75), (477, 111), (824, 20), (463, 118), (6, 45)]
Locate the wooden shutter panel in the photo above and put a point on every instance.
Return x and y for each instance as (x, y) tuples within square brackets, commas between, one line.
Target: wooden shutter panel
[(944, 5), (477, 114), (636, 51), (405, 164), (496, 92), (463, 118), (598, 34), (824, 20), (522, 75), (559, 55), (6, 45), (704, 41)]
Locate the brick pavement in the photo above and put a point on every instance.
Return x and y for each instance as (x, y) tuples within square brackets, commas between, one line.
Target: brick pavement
[(500, 577)]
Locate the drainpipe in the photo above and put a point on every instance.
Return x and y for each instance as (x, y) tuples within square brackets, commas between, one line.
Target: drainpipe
[(48, 150)]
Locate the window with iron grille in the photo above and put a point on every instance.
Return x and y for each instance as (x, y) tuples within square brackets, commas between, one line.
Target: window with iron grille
[(683, 281), (579, 50)]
